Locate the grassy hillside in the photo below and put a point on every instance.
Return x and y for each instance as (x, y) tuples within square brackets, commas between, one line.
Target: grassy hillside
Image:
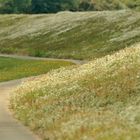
[(11, 68), (110, 4), (99, 100), (81, 35)]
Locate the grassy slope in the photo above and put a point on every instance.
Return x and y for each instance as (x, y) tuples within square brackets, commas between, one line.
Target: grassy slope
[(83, 35), (14, 68), (99, 100)]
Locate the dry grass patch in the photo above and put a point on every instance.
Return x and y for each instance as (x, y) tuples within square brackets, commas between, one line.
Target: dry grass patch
[(99, 100)]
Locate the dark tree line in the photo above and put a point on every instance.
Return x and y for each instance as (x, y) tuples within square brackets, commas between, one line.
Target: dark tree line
[(37, 6), (53, 6)]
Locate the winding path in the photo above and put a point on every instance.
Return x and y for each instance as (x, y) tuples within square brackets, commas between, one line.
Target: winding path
[(78, 62), (11, 129)]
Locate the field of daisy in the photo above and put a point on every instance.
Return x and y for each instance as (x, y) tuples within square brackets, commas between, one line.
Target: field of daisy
[(99, 100)]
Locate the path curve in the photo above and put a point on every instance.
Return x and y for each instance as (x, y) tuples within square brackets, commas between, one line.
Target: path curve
[(78, 62), (11, 129)]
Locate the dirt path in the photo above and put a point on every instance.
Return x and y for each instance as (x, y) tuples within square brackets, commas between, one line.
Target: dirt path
[(11, 129), (78, 62)]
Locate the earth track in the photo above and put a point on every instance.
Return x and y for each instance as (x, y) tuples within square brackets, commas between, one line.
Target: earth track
[(10, 128), (78, 62)]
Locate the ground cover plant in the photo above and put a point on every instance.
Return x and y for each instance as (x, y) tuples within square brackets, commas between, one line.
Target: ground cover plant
[(11, 68), (99, 100), (80, 35)]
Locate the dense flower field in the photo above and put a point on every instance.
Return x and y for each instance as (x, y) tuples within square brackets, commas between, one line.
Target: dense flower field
[(99, 100)]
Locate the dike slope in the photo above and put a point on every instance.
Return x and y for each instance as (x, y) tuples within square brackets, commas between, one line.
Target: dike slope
[(79, 35), (99, 100)]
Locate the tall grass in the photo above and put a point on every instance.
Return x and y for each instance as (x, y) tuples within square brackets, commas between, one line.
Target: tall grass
[(99, 100), (80, 35)]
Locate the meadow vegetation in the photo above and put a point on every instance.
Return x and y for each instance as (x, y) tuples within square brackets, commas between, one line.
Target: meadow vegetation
[(99, 100), (80, 35), (11, 69)]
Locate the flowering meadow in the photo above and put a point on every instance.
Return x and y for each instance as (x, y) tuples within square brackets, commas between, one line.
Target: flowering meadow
[(11, 68), (99, 100), (77, 35)]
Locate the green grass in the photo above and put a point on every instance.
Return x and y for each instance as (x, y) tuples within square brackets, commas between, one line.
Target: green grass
[(11, 68), (99, 100), (80, 35)]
